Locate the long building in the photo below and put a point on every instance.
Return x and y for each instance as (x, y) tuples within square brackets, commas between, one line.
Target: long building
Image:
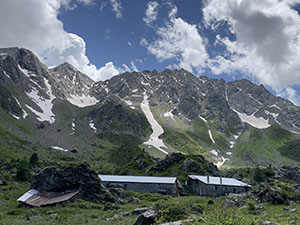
[(146, 184), (215, 186)]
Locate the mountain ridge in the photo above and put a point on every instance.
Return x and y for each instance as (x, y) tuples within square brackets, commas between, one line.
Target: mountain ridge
[(186, 113)]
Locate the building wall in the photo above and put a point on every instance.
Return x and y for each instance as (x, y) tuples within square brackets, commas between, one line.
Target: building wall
[(200, 188), (170, 189)]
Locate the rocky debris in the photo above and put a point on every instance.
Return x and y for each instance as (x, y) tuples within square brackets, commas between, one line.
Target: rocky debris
[(110, 206), (147, 218), (72, 177), (138, 211), (290, 210), (272, 195), (288, 172), (268, 223), (134, 200), (197, 209), (167, 162), (141, 164), (228, 203), (2, 181)]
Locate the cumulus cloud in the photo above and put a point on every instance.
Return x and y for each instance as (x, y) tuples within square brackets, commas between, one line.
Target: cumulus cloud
[(117, 8), (34, 24), (267, 43), (179, 41), (151, 12)]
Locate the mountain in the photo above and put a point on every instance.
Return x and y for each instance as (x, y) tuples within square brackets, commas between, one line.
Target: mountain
[(62, 111)]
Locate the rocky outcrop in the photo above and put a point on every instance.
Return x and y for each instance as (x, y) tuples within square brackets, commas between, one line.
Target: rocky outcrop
[(272, 195), (167, 162), (72, 177), (146, 218), (288, 172)]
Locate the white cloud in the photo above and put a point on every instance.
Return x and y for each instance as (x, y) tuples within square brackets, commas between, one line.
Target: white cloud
[(267, 44), (133, 66), (180, 41), (117, 8), (151, 12), (34, 24)]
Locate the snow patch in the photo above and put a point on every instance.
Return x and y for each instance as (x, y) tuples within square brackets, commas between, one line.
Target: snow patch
[(154, 139), (59, 148), (25, 114), (221, 162), (259, 123), (214, 152), (209, 130), (82, 101), (134, 90), (145, 84), (232, 143), (169, 114), (44, 104), (128, 102), (6, 74), (92, 126)]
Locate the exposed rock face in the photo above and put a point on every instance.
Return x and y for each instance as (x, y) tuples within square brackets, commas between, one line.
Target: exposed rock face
[(73, 177), (288, 172), (167, 162), (272, 195)]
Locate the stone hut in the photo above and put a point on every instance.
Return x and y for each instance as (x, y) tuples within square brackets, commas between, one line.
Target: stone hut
[(215, 186), (145, 184)]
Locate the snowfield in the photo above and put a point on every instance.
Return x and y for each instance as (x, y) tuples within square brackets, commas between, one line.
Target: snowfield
[(82, 101), (154, 139), (44, 104), (259, 123)]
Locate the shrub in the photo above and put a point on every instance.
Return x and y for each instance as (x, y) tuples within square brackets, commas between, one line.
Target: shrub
[(170, 212)]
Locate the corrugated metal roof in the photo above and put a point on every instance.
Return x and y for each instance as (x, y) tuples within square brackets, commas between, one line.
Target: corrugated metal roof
[(220, 181), (35, 198), (137, 179)]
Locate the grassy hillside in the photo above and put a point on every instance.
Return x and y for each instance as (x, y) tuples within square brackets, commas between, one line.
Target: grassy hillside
[(259, 147)]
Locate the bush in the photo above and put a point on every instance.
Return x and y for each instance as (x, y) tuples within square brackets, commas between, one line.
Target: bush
[(210, 202), (258, 175), (23, 171), (251, 205), (170, 212)]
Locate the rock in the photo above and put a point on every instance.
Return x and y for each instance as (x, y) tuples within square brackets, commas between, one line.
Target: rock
[(259, 207), (197, 209), (72, 177), (173, 223), (134, 200), (288, 172), (167, 162), (138, 211), (35, 218), (2, 181), (272, 195), (141, 164), (268, 223), (290, 210), (110, 206), (147, 218), (189, 165), (228, 203), (118, 192), (74, 151)]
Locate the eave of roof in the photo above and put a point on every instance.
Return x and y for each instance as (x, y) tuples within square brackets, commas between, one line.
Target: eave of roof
[(217, 181), (137, 179), (34, 197)]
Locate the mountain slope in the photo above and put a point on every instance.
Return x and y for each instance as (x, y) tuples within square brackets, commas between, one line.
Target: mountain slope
[(228, 122)]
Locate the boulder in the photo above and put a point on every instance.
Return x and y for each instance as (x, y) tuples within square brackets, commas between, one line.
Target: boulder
[(189, 165), (272, 195), (288, 172), (72, 177), (147, 218), (228, 203), (139, 211)]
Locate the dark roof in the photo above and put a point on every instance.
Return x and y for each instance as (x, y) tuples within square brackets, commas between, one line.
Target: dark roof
[(34, 197)]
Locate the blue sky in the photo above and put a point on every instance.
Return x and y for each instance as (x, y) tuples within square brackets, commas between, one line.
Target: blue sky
[(233, 39)]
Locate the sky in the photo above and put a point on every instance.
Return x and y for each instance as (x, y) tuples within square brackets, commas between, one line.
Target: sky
[(233, 39)]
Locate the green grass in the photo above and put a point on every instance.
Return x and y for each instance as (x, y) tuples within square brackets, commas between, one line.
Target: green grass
[(259, 147), (83, 212)]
